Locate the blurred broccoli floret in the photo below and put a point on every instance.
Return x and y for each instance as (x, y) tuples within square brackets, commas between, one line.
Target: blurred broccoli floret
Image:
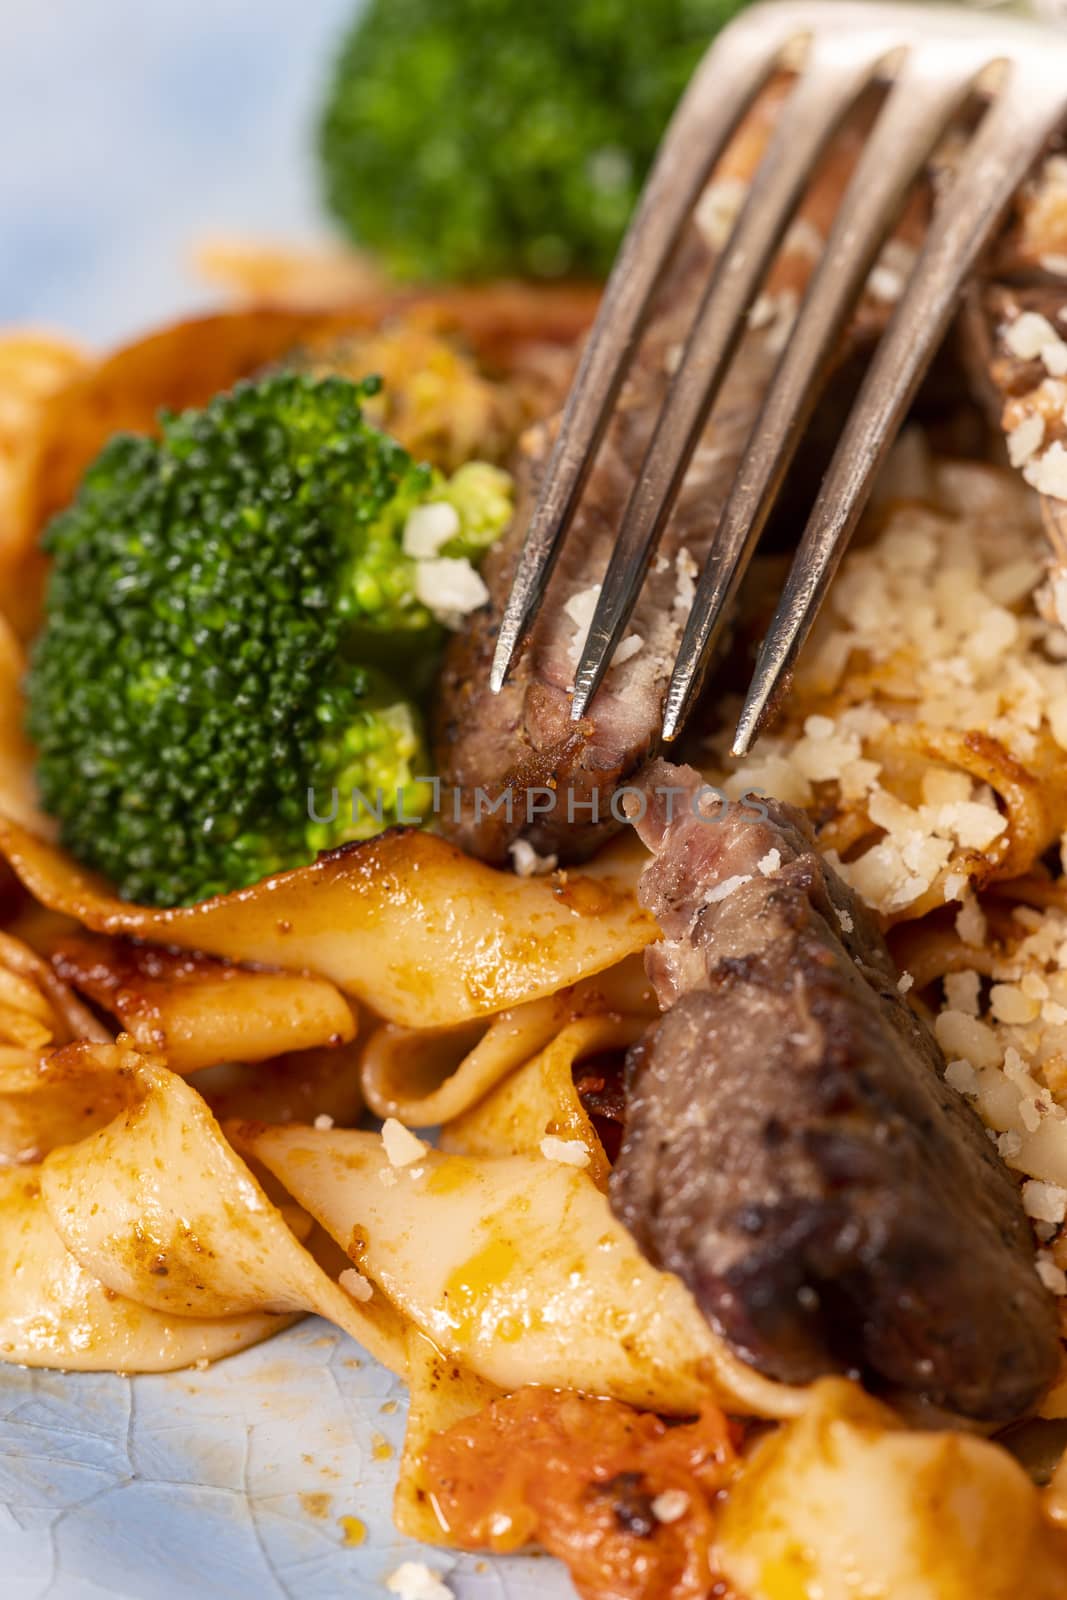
[(482, 138), (198, 672)]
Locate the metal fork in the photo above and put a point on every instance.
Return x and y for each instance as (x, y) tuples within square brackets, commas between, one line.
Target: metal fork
[(934, 60)]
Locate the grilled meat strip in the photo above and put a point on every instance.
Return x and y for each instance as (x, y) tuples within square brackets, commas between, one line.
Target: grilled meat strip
[(524, 738), (791, 1149)]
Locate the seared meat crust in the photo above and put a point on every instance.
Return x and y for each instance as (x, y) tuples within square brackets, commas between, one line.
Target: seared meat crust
[(792, 1151)]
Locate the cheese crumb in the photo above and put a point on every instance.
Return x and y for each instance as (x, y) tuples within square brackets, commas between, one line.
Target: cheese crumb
[(961, 1076), (769, 863), (627, 648), (1048, 473), (401, 1145), (905, 982), (1027, 438), (355, 1284), (1009, 1004), (1029, 334), (323, 1121), (891, 271), (428, 528), (1053, 1277), (413, 1580), (971, 923), (686, 571), (845, 919), (718, 208), (962, 991), (728, 886), (450, 589), (1045, 1202), (670, 1505), (526, 861), (581, 608), (582, 604), (569, 1152)]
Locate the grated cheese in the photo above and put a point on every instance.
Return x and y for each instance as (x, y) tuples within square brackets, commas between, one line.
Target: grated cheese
[(1025, 439), (413, 1580), (670, 1505), (1053, 1277), (450, 589), (1046, 1202), (355, 1284), (526, 861), (428, 528), (569, 1152), (581, 608), (1048, 473), (401, 1145)]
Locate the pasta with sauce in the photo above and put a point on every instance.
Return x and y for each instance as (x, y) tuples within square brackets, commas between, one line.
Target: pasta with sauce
[(182, 1086)]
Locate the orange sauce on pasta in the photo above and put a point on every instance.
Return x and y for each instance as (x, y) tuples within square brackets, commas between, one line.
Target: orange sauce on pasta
[(625, 1499)]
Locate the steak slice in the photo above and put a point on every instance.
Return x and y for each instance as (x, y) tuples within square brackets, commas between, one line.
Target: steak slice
[(791, 1149), (523, 738)]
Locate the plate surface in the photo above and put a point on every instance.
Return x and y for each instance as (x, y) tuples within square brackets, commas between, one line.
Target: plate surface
[(230, 1484)]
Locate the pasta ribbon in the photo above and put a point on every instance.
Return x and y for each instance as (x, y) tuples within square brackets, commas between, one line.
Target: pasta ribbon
[(197, 1011), (53, 1313), (48, 1094), (515, 1267), (211, 1246), (18, 791), (540, 1100), (847, 1501), (422, 934), (424, 1077)]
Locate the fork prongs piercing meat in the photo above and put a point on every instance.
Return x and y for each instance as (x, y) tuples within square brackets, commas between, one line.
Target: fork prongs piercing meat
[(933, 61)]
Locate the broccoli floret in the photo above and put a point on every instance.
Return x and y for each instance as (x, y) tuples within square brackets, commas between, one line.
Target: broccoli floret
[(379, 587), (481, 138), (198, 672)]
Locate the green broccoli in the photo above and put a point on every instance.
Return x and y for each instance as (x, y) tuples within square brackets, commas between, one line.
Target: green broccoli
[(202, 680), (483, 138)]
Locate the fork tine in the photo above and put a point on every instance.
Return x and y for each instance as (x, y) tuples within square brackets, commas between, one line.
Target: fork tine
[(919, 107), (1004, 148), (829, 87), (727, 81)]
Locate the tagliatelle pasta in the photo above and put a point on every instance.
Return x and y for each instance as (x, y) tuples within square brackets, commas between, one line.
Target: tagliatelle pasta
[(469, 1249), (53, 1313), (200, 1012), (216, 1248), (18, 796), (539, 1102), (405, 922), (148, 1222), (425, 1077)]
